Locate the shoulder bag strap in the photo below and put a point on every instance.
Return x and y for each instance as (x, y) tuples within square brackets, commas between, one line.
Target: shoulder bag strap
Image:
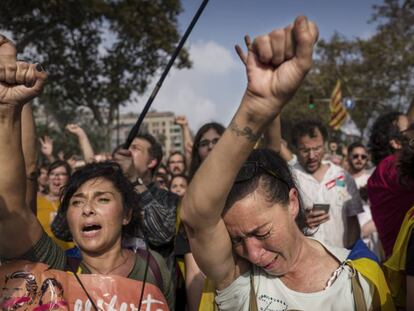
[(358, 292), (253, 298), (153, 265)]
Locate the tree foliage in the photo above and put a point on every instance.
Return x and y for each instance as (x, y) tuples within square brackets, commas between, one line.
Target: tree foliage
[(99, 54), (377, 72)]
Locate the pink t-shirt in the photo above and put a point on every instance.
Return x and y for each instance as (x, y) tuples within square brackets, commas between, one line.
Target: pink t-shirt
[(390, 201)]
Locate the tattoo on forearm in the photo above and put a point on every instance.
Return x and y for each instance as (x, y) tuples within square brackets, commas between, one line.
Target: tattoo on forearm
[(246, 132)]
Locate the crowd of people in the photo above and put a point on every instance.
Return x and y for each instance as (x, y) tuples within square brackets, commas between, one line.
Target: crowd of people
[(242, 219)]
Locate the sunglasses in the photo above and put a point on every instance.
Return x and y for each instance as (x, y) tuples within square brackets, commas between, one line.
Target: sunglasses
[(362, 156), (250, 169), (161, 182), (206, 142)]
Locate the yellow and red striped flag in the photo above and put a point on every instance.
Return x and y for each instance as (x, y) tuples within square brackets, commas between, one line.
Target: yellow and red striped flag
[(338, 111)]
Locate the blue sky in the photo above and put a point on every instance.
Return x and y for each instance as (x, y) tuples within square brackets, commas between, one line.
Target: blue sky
[(212, 88)]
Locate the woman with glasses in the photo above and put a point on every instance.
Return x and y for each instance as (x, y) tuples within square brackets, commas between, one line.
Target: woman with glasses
[(58, 174), (243, 214), (204, 141)]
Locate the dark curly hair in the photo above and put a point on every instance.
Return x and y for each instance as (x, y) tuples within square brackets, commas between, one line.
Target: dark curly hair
[(308, 128), (110, 171), (267, 169), (385, 129), (195, 156)]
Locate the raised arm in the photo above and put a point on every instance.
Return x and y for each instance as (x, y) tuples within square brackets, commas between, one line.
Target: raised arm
[(272, 136), (46, 148), (188, 140), (30, 155), (84, 143), (19, 83), (276, 64)]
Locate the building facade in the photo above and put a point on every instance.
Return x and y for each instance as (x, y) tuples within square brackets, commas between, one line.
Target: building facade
[(159, 124)]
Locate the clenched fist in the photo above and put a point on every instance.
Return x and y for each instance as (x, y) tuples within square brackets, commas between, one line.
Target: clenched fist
[(20, 82)]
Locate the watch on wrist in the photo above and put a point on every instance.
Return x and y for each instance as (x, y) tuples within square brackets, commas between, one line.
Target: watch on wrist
[(138, 182)]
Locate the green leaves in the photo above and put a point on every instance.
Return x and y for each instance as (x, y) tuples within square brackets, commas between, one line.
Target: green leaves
[(378, 72), (97, 53)]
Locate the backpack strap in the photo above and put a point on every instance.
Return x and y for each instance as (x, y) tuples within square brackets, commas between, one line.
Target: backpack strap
[(149, 259), (253, 298), (360, 303)]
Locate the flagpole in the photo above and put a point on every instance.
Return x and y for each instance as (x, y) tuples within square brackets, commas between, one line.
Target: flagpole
[(135, 129)]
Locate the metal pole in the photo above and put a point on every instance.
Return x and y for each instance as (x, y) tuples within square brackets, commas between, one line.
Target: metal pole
[(134, 131)]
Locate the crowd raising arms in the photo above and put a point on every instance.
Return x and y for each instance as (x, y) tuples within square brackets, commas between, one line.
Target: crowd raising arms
[(239, 215)]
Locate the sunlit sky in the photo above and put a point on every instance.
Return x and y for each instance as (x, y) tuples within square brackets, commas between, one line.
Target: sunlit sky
[(212, 88)]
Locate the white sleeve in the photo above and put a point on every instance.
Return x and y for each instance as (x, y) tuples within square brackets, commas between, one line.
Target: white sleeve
[(293, 161), (236, 296)]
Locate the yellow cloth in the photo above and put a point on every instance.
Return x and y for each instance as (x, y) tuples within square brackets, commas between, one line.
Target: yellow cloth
[(373, 273), (395, 265), (46, 212), (207, 302), (209, 291)]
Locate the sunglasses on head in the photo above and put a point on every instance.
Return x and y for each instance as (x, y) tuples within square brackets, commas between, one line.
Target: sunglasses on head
[(362, 156), (250, 169)]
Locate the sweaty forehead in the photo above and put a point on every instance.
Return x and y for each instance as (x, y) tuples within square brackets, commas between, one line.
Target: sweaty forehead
[(249, 212)]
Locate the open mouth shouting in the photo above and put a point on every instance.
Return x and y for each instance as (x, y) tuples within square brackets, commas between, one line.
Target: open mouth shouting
[(91, 230)]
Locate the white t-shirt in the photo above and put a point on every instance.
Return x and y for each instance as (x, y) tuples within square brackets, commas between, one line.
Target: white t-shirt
[(361, 181), (273, 295), (372, 241), (338, 189)]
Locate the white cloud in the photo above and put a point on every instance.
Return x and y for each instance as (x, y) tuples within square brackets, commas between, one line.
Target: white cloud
[(366, 34), (211, 58), (206, 92)]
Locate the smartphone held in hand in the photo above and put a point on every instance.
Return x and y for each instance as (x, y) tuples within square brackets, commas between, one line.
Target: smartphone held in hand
[(321, 207)]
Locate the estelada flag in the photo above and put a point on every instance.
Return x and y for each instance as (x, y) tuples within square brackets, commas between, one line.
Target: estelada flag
[(338, 111)]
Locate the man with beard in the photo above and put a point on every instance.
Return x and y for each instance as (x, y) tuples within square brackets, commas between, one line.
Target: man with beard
[(357, 161), (329, 193), (357, 167), (176, 163), (139, 164)]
